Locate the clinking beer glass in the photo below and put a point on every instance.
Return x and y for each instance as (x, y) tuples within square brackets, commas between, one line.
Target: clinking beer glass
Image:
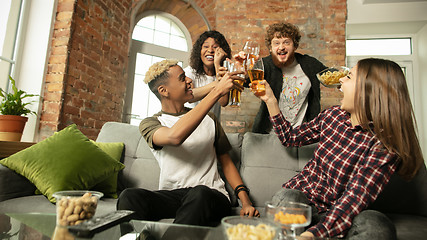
[(255, 69), (234, 98)]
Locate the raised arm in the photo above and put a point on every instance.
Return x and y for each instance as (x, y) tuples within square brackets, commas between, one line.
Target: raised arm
[(183, 128)]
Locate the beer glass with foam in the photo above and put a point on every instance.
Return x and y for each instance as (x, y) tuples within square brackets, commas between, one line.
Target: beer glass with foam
[(255, 69), (234, 99), (251, 51)]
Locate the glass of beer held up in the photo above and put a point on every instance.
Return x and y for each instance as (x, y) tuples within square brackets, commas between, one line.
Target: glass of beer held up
[(255, 69), (251, 51), (234, 97)]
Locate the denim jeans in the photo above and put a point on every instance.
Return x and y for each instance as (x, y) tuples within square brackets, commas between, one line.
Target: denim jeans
[(369, 224)]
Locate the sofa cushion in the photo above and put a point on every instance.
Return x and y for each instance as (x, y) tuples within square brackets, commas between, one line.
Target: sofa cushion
[(13, 185), (409, 226), (235, 140), (65, 161), (404, 197), (142, 169), (266, 164), (109, 185)]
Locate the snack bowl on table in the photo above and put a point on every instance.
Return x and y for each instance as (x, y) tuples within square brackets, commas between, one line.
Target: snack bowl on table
[(330, 77), (75, 206), (291, 216), (242, 227)]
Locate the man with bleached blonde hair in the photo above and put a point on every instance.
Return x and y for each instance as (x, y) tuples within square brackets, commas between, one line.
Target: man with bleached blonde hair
[(187, 144)]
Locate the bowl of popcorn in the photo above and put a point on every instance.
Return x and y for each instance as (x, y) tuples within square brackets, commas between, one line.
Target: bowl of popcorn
[(241, 227), (330, 77), (75, 206)]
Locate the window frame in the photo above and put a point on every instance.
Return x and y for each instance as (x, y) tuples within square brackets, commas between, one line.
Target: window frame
[(408, 61), (383, 38), (16, 53), (154, 50)]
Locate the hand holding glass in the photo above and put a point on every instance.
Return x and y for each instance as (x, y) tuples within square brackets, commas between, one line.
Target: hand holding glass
[(234, 93), (251, 49), (255, 69)]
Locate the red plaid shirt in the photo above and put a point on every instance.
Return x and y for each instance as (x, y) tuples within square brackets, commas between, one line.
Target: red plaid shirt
[(349, 168)]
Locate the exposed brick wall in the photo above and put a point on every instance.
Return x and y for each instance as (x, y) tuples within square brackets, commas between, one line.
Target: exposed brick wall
[(322, 24), (87, 67), (53, 93)]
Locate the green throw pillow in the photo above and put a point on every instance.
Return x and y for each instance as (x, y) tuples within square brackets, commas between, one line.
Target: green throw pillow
[(109, 185), (65, 161)]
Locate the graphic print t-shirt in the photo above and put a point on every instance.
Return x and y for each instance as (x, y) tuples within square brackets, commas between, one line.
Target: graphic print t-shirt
[(293, 97)]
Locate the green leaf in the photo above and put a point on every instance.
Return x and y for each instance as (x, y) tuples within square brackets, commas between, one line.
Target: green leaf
[(12, 104)]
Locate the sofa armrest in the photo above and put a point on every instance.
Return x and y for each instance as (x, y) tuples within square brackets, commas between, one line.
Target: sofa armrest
[(13, 185)]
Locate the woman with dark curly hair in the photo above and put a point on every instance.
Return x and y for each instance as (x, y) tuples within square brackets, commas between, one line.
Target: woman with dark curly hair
[(208, 52)]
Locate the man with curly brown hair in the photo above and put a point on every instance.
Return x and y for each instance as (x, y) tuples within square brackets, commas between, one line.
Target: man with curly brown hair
[(291, 75)]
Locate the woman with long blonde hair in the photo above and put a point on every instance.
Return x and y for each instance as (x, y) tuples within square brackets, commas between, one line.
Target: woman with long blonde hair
[(360, 145)]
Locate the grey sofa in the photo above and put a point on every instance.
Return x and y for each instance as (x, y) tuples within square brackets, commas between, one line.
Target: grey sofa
[(264, 165)]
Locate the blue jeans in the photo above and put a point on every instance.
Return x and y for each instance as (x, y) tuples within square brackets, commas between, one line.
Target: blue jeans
[(369, 224)]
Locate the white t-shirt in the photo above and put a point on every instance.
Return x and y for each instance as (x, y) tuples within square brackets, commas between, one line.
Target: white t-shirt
[(293, 100), (200, 81), (192, 163)]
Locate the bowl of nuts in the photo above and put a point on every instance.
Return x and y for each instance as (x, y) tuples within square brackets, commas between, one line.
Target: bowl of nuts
[(75, 206)]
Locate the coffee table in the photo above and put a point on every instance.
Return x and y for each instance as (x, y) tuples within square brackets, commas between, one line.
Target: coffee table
[(42, 226)]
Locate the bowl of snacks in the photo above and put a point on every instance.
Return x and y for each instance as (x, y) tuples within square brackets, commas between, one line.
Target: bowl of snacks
[(330, 77), (291, 216), (75, 206), (241, 227)]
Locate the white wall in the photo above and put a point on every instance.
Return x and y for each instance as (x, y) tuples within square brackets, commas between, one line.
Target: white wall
[(389, 12), (34, 50), (422, 76), (398, 20)]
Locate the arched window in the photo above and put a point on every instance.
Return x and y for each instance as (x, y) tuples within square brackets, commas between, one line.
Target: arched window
[(155, 37)]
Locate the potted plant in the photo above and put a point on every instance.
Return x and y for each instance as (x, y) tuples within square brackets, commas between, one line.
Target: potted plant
[(13, 113)]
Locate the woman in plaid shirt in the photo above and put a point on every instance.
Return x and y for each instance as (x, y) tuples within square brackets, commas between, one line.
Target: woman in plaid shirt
[(360, 145)]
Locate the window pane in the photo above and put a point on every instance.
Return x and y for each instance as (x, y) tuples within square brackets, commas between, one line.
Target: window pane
[(162, 24), (161, 39), (154, 105), (161, 31), (145, 103), (139, 96), (142, 63), (143, 34), (4, 73), (156, 59), (360, 47), (175, 30), (156, 30), (147, 22), (9, 19), (4, 15), (178, 43)]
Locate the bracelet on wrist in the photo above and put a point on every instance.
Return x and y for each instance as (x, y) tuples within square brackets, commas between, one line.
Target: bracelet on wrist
[(240, 188)]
